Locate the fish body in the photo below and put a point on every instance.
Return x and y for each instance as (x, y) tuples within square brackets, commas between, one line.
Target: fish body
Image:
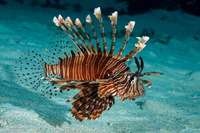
[(99, 75)]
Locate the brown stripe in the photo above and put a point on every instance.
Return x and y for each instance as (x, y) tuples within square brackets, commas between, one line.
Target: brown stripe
[(96, 66), (84, 67), (61, 68)]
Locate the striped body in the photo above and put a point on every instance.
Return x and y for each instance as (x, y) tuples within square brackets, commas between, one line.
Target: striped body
[(87, 68), (91, 67)]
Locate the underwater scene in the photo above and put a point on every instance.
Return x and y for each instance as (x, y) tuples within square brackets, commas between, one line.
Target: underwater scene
[(99, 66)]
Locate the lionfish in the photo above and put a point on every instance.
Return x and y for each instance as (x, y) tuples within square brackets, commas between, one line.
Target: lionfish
[(99, 75)]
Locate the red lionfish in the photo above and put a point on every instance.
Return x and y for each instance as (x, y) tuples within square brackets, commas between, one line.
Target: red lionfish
[(101, 76)]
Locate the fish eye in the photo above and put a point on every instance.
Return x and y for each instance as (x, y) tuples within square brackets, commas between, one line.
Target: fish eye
[(107, 76), (132, 78)]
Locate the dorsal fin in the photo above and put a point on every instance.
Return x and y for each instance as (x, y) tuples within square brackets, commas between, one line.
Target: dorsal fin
[(58, 23), (89, 20), (86, 47), (78, 22), (113, 19), (97, 13), (138, 47), (129, 29), (83, 47)]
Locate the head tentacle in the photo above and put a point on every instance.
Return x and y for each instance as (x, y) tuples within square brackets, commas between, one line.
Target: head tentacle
[(142, 65), (138, 66)]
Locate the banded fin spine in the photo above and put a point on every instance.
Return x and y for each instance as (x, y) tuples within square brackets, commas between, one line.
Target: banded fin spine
[(97, 13), (129, 29), (78, 22), (89, 20), (138, 47), (70, 23), (113, 19), (58, 23)]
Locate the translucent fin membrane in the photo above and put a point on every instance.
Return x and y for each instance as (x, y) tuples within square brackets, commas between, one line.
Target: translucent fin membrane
[(29, 71), (145, 82), (59, 48)]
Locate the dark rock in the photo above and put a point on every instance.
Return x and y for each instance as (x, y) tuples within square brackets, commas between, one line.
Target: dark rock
[(120, 33), (20, 1), (46, 4), (196, 38), (148, 32), (108, 11), (34, 3), (77, 7), (140, 104), (55, 5), (164, 39), (142, 6), (191, 6), (2, 2)]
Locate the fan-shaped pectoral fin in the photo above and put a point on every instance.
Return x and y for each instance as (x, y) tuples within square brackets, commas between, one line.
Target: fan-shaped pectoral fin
[(106, 89), (89, 105)]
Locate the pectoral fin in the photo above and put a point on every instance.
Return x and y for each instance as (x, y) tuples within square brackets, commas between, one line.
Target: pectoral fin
[(145, 82), (67, 84), (150, 73)]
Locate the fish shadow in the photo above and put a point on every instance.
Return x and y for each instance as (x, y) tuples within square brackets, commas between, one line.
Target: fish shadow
[(48, 110)]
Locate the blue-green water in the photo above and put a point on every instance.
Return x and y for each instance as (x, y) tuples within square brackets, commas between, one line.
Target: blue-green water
[(170, 105)]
